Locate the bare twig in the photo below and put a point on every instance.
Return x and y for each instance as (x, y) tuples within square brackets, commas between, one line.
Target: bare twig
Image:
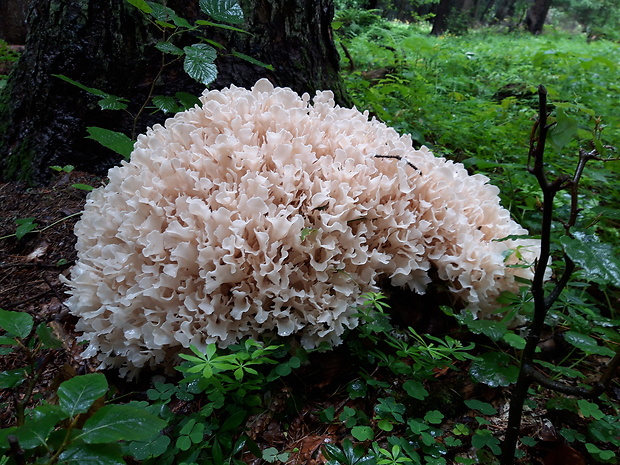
[(528, 374)]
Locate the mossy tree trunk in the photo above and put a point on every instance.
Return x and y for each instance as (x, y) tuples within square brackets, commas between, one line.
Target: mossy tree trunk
[(293, 36), (108, 45)]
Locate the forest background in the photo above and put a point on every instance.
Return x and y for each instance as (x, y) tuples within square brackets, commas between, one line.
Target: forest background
[(461, 77)]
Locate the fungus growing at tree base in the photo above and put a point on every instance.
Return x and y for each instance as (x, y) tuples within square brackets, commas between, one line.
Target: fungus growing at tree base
[(263, 213)]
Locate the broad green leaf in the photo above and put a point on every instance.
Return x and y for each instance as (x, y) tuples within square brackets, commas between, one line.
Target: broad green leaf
[(12, 378), (17, 324), (199, 64), (166, 103), (434, 417), (78, 394), (564, 371), (362, 433), (24, 226), (164, 15), (187, 100), (483, 407), (254, 61), (141, 5), (33, 434), (494, 369), (112, 102), (514, 340), (116, 141), (563, 132), (121, 423), (46, 336), (598, 260), (169, 48), (228, 11), (415, 389), (92, 454), (587, 344), (494, 330), (143, 450)]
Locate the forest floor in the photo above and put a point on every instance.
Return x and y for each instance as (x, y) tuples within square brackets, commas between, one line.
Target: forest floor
[(30, 281)]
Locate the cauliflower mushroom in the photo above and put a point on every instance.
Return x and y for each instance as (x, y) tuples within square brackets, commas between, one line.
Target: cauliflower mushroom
[(261, 212)]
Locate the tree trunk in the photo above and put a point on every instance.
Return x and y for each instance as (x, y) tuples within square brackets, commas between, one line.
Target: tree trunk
[(536, 16), (449, 15), (13, 21), (293, 36), (107, 45)]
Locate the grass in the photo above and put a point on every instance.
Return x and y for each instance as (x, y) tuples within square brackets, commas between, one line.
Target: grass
[(473, 99)]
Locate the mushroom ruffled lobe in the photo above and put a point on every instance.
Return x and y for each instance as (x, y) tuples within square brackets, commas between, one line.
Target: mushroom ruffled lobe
[(261, 212)]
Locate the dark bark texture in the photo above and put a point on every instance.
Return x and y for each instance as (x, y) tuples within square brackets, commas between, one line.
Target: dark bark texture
[(295, 37), (13, 21), (108, 45), (536, 16), (43, 120)]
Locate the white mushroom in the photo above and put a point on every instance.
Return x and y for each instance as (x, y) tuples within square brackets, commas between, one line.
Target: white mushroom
[(261, 212)]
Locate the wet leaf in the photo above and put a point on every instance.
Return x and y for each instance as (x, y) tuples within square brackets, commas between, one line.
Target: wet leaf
[(114, 140), (494, 369), (598, 260), (199, 64), (587, 344)]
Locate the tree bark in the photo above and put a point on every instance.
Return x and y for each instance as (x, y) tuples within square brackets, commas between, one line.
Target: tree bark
[(293, 36), (536, 16), (446, 11), (13, 21), (107, 45)]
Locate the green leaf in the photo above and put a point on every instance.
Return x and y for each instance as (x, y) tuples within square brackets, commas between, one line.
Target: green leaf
[(415, 389), (514, 340), (17, 324), (90, 90), (24, 226), (362, 433), (482, 407), (199, 64), (78, 394), (598, 260), (143, 450), (166, 103), (83, 187), (564, 371), (47, 338), (112, 102), (254, 61), (434, 417), (164, 15), (228, 11), (121, 423), (589, 409), (141, 5), (167, 47), (187, 100), (494, 369), (92, 454), (494, 330), (107, 102), (587, 344), (116, 141), (563, 132)]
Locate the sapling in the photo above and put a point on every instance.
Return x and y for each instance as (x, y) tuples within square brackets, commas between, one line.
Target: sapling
[(543, 301)]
